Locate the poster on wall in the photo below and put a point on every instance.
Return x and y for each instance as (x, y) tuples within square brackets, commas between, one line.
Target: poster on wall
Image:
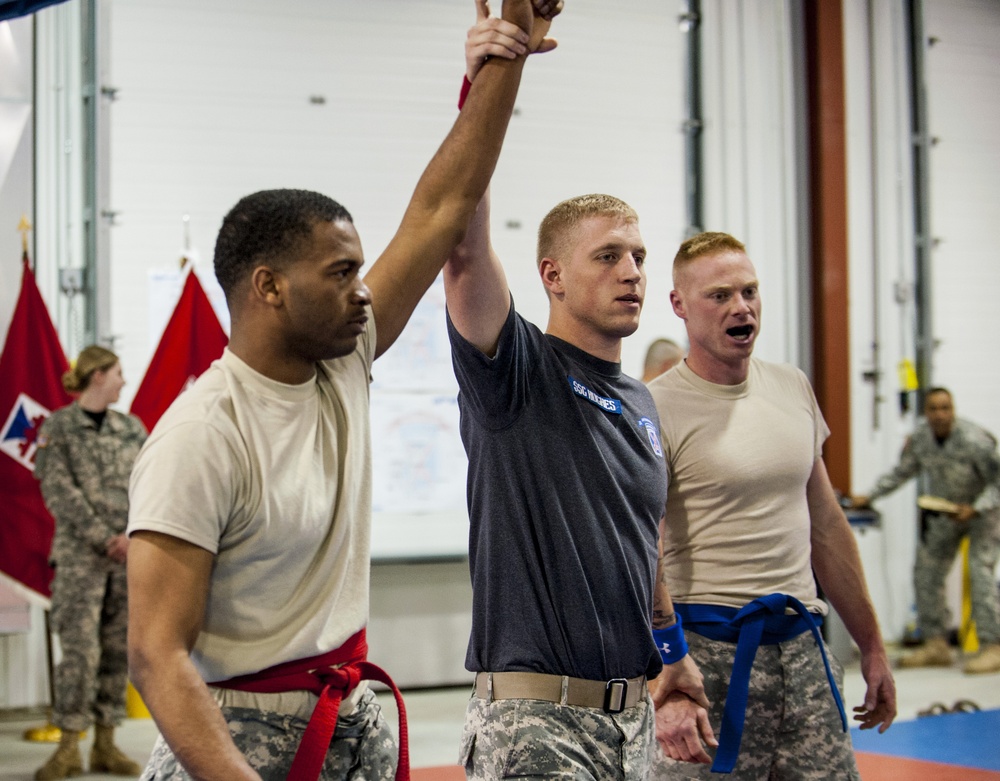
[(418, 461)]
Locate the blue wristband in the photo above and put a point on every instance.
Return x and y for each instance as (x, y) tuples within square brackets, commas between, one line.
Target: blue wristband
[(670, 642)]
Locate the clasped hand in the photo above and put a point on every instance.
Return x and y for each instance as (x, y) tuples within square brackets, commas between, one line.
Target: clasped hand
[(682, 725)]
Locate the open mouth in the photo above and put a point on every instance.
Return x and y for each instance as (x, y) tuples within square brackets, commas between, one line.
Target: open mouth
[(740, 332), (630, 298)]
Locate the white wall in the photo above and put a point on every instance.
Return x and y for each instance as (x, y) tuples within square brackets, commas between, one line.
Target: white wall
[(880, 193), (16, 156), (961, 78), (963, 81), (22, 679), (214, 104), (754, 112)]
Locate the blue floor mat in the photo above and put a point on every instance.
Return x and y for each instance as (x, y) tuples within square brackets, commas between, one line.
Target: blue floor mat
[(968, 739)]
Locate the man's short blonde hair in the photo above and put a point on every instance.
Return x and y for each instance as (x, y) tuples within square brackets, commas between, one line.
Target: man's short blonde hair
[(553, 233), (703, 244)]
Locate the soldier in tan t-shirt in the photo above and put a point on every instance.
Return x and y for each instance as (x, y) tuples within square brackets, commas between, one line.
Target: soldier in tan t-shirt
[(750, 515), (307, 322)]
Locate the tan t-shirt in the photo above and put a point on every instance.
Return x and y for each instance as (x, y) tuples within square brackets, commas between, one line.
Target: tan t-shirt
[(275, 480), (738, 458)]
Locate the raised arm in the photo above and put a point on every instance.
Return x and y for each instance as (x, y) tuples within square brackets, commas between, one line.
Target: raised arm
[(168, 586), (837, 565), (453, 183), (474, 281), (907, 468)]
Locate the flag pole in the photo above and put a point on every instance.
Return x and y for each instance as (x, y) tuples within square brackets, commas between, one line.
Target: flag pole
[(48, 733), (24, 228), (186, 256)]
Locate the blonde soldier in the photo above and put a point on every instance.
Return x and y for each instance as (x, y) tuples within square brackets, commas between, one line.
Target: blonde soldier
[(567, 622), (750, 516), (85, 455)]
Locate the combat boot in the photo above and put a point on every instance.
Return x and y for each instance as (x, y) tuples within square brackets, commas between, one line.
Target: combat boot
[(933, 653), (988, 660), (106, 757), (66, 762)]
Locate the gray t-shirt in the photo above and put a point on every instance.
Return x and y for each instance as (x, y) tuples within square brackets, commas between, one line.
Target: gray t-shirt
[(566, 488)]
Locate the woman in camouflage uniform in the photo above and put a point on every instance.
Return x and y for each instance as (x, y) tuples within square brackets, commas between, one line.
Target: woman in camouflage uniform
[(85, 455)]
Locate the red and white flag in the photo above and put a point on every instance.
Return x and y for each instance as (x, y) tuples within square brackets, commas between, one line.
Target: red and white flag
[(31, 369), (192, 339)]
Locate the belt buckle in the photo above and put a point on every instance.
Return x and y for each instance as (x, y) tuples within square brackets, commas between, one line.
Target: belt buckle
[(615, 695)]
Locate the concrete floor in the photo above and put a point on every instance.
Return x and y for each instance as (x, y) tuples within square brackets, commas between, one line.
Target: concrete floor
[(435, 719)]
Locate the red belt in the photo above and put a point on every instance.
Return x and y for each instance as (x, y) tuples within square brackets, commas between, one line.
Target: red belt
[(319, 675)]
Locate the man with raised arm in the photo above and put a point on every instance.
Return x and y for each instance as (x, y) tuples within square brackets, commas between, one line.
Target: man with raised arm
[(751, 515), (250, 504), (566, 491)]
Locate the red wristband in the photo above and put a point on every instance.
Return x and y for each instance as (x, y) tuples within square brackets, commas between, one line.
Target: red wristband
[(466, 86)]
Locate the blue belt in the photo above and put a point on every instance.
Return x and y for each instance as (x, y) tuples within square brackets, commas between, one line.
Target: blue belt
[(761, 621)]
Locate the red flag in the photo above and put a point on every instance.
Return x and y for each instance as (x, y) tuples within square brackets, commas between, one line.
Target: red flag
[(31, 369), (192, 339)]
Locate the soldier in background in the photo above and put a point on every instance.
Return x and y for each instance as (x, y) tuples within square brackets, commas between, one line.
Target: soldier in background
[(960, 463), (662, 355), (85, 455)]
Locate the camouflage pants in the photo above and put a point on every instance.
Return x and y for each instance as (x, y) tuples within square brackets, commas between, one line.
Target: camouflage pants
[(935, 557), (792, 729), (532, 739), (363, 747), (90, 615)]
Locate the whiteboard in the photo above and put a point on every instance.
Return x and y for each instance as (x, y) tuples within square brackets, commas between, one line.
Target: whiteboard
[(344, 98), (418, 462)]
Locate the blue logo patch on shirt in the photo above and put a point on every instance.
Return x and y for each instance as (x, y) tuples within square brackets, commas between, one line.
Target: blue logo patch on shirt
[(653, 434), (608, 405)]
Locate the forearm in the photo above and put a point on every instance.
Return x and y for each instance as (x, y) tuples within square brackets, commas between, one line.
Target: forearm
[(190, 720), (907, 468), (663, 605), (168, 585), (889, 482), (454, 176), (837, 564), (449, 190), (679, 673)]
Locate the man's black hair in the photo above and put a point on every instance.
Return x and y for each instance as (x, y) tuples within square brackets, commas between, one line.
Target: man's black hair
[(265, 226)]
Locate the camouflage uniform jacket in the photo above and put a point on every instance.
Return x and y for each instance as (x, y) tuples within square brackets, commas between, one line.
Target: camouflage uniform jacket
[(84, 476), (964, 469)]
